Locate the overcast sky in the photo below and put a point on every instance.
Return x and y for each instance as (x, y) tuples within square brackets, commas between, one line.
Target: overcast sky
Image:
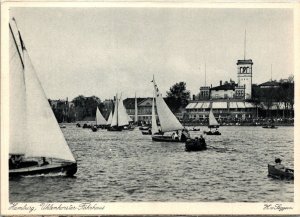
[(101, 51)]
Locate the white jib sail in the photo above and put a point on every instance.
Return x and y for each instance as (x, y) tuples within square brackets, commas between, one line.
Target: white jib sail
[(44, 136), (114, 121), (153, 120), (168, 121), (99, 118), (109, 118), (122, 114), (212, 120), (17, 108)]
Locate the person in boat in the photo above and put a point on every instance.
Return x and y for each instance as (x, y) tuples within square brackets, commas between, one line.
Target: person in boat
[(160, 132), (15, 161), (184, 135), (44, 161), (202, 140), (175, 135), (278, 165)]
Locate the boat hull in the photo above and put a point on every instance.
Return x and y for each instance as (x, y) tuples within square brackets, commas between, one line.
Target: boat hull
[(209, 133), (68, 169), (161, 138), (195, 145), (115, 129), (279, 174)]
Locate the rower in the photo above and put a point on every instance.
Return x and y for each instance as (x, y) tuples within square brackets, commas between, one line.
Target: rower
[(278, 165)]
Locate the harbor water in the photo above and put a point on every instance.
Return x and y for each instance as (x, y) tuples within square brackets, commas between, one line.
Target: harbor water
[(128, 166)]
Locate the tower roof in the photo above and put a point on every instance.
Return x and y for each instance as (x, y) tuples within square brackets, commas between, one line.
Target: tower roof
[(244, 62)]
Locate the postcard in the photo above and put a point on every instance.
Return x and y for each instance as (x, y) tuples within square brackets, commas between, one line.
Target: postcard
[(149, 108)]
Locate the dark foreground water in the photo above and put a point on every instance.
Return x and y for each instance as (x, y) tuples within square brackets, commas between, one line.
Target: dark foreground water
[(128, 166)]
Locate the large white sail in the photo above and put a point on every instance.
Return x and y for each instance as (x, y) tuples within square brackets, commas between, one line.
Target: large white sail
[(153, 120), (99, 118), (114, 121), (122, 114), (44, 136), (135, 110), (212, 120), (109, 118), (167, 119), (17, 109)]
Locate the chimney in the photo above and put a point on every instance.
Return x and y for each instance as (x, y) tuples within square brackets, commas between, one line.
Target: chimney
[(220, 82), (194, 97)]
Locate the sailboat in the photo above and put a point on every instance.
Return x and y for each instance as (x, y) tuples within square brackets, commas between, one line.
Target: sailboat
[(36, 142), (213, 123), (100, 120), (119, 117), (168, 121)]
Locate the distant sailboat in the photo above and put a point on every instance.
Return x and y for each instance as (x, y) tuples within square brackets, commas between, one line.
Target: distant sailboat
[(34, 131), (119, 117), (100, 120), (168, 121), (109, 120), (213, 123)]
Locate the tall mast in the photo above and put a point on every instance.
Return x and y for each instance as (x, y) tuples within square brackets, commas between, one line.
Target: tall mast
[(271, 72), (135, 108), (205, 73), (245, 45)]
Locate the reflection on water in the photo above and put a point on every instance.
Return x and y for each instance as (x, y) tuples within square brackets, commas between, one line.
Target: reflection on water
[(128, 166)]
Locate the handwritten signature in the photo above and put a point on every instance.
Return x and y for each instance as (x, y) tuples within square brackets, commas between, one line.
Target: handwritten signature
[(277, 206)]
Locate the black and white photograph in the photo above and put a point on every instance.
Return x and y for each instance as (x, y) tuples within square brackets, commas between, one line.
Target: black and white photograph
[(154, 103)]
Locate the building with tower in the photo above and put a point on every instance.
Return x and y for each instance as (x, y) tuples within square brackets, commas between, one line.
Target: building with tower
[(244, 76)]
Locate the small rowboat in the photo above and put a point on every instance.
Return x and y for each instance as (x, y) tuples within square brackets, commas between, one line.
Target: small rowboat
[(195, 145), (280, 174), (212, 133)]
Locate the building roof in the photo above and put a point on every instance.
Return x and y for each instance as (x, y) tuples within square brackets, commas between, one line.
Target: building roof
[(227, 86), (129, 103), (244, 62), (269, 84)]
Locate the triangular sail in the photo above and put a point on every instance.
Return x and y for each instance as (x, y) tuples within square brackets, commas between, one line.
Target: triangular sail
[(114, 121), (122, 114), (135, 110), (212, 120), (17, 110), (167, 119), (109, 118), (44, 136), (153, 120), (99, 118)]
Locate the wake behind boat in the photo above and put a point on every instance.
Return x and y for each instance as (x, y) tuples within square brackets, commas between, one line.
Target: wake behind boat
[(37, 145), (171, 129)]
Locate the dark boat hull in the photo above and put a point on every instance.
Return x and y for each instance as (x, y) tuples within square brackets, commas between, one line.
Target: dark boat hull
[(115, 129), (269, 127), (279, 174), (209, 133), (68, 169), (195, 145), (161, 138)]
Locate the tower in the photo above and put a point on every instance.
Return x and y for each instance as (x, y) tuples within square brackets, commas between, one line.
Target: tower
[(244, 75)]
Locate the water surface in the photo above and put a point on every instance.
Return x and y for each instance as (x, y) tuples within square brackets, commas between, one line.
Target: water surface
[(128, 166)]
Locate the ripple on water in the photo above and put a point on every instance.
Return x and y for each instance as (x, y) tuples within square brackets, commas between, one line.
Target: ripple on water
[(127, 166)]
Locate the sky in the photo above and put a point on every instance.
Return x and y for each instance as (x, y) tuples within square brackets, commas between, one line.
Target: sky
[(102, 51)]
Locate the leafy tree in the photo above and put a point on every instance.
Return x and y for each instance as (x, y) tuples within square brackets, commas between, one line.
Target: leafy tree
[(178, 96)]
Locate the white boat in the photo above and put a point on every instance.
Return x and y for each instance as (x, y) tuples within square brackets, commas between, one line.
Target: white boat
[(213, 123), (168, 121), (120, 118), (36, 142)]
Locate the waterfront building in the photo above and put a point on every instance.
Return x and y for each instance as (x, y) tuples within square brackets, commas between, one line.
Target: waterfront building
[(223, 110), (144, 106)]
